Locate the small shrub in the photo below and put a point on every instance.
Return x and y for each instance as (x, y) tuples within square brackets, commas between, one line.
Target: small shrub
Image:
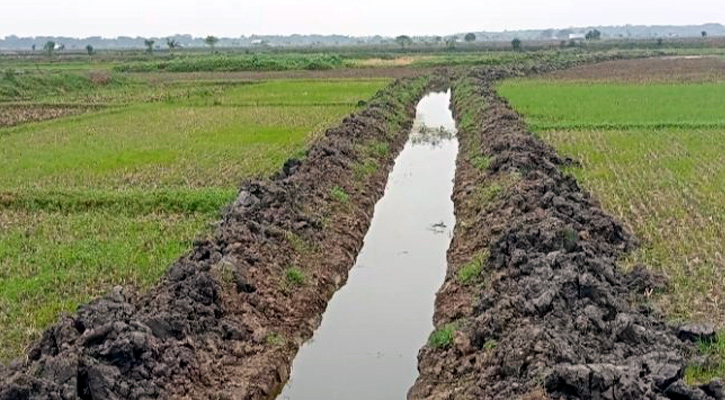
[(442, 337), (339, 194)]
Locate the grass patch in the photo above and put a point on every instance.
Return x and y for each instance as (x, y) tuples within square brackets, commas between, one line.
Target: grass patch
[(715, 364), (114, 197), (294, 276), (442, 337), (276, 340), (339, 194), (668, 185), (25, 86), (52, 262), (481, 162), (365, 169), (490, 344), (471, 272), (237, 62), (552, 105)]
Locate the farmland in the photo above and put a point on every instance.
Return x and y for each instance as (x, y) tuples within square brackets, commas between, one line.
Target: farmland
[(203, 184), (115, 195), (651, 152)]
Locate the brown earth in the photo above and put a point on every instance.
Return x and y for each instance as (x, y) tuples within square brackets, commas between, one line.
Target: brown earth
[(11, 115), (342, 73), (227, 319), (550, 315), (664, 69)]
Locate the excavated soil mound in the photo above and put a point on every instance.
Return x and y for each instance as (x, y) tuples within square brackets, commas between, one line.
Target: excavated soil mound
[(552, 317), (225, 321)]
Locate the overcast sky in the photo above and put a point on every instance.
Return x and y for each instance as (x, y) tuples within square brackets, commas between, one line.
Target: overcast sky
[(233, 18)]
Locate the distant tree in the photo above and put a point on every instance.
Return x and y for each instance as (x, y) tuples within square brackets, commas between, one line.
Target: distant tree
[(594, 34), (470, 37), (438, 39), (451, 42), (211, 41), (33, 47), (703, 33), (516, 44), (562, 44), (172, 44), (659, 41), (149, 45), (89, 49), (61, 47), (404, 40), (49, 47)]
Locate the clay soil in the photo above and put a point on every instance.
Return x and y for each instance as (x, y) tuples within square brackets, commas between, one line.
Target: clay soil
[(665, 69), (343, 73), (228, 318), (549, 316)]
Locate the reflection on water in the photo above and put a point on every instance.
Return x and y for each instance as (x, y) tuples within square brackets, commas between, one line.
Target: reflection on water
[(366, 347)]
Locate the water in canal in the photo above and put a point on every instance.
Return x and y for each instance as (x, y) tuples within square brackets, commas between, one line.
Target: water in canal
[(366, 347)]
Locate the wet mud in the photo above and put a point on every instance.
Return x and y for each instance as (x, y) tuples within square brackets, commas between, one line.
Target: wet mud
[(227, 318), (549, 315)]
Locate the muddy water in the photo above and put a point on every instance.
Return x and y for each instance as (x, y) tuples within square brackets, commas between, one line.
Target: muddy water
[(366, 347)]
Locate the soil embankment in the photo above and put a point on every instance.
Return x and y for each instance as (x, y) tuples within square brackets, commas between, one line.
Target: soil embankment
[(548, 315), (227, 318)]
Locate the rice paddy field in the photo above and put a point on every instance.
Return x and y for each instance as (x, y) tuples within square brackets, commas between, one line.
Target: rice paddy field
[(651, 150), (117, 193)]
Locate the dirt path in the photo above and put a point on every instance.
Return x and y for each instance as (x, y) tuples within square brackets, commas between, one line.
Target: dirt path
[(227, 319), (548, 315)]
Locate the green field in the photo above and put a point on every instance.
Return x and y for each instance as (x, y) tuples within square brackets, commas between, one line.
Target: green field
[(115, 196), (654, 156), (552, 105)]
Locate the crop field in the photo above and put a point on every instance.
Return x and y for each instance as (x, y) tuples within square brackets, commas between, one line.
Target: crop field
[(115, 195), (652, 153)]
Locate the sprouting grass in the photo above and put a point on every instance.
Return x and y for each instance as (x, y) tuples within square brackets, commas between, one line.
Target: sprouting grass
[(301, 92), (276, 340), (52, 262), (443, 336), (714, 353), (471, 272), (339, 194), (481, 162), (666, 181), (551, 105), (114, 197), (490, 344), (294, 276), (669, 186)]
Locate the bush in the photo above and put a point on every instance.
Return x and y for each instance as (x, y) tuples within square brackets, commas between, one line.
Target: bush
[(243, 62)]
